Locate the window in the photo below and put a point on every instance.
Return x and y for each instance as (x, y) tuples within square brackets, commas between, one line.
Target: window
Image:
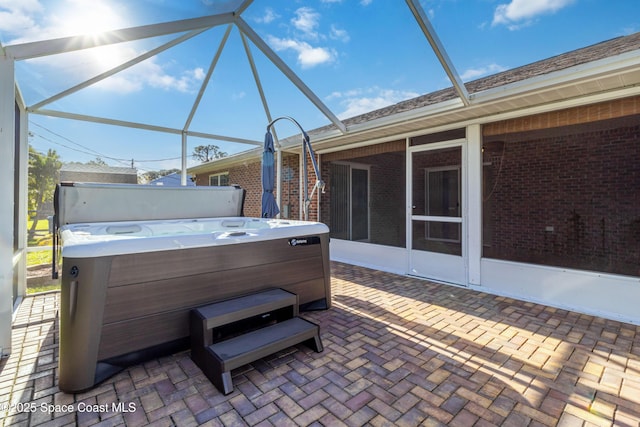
[(436, 206), (365, 195), (443, 199), (219, 179)]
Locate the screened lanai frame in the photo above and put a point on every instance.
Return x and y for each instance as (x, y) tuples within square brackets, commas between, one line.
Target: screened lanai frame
[(189, 28), (14, 114), (587, 76)]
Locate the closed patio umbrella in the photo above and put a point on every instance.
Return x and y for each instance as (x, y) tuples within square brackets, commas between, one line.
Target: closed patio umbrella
[(269, 205)]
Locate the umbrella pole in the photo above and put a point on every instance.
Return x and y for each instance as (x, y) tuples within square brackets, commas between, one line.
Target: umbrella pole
[(306, 146), (279, 178)]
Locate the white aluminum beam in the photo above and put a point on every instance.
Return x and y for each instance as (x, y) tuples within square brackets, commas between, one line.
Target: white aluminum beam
[(245, 4), (134, 125), (207, 78), (117, 69), (275, 59), (256, 78), (438, 49), (267, 112), (7, 198), (225, 138), (183, 168), (68, 44)]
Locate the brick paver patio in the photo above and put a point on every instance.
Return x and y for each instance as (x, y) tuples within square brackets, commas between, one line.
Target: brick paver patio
[(398, 351)]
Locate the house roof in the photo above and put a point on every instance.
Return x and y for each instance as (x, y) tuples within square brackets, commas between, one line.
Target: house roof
[(556, 63), (93, 168), (603, 67), (171, 180)]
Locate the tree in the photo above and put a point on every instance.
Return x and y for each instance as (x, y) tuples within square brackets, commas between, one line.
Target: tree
[(98, 161), (149, 176), (44, 174), (206, 153)]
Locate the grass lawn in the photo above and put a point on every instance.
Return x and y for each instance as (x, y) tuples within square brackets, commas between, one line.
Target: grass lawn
[(42, 238), (43, 288)]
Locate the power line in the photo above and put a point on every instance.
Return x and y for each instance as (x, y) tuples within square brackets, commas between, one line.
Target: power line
[(139, 169), (91, 151), (66, 139)]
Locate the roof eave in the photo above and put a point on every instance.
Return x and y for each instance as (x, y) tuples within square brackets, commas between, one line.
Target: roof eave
[(497, 99), (568, 76)]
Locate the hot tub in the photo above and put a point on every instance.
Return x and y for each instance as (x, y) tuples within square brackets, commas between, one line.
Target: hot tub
[(128, 285)]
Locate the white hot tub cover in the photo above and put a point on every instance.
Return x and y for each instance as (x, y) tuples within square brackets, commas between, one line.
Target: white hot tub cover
[(93, 202)]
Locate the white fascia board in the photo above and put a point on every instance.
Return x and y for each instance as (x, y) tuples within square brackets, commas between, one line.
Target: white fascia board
[(432, 110), (579, 73), (409, 115), (380, 123), (243, 157)]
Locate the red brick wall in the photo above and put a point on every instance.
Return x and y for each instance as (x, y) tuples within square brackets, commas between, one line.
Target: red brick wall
[(567, 196), (291, 186), (249, 177)]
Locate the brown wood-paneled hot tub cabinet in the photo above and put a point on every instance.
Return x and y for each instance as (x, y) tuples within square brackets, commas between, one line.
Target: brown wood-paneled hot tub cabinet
[(136, 259)]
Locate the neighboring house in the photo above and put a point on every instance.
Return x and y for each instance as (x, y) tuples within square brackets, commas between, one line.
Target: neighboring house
[(80, 172), (172, 180), (532, 190)]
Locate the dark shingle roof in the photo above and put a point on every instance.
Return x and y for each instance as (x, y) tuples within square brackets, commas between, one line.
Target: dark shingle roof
[(560, 62), (589, 54)]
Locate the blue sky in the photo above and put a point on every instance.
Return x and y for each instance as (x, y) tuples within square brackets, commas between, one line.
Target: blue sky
[(356, 56)]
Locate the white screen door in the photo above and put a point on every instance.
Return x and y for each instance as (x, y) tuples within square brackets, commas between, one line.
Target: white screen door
[(437, 228)]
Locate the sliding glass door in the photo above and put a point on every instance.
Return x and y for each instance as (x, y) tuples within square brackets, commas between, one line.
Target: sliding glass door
[(349, 201)]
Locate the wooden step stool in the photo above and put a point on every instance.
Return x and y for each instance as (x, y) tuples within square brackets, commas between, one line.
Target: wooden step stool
[(248, 328)]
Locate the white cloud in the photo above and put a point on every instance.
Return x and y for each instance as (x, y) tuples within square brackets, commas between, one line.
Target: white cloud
[(29, 20), (339, 34), (16, 18), (306, 21), (32, 20), (152, 74), (308, 56), (520, 13), (238, 95), (362, 2), (360, 101), (474, 73), (198, 74), (269, 16)]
